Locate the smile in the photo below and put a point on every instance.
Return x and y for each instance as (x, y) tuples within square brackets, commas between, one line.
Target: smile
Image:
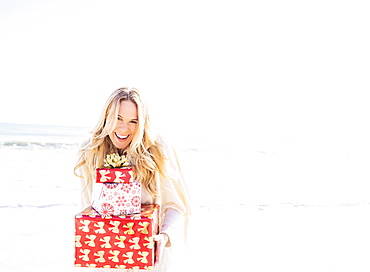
[(122, 137)]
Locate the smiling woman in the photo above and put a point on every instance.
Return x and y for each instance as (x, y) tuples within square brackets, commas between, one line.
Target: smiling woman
[(126, 126)]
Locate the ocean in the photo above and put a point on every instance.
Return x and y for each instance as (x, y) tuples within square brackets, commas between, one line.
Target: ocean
[(274, 204), (31, 136)]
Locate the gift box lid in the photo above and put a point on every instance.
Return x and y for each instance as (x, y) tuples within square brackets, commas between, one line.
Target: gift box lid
[(147, 211), (115, 175)]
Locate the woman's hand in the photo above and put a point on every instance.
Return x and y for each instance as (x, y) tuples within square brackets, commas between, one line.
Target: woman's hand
[(161, 240)]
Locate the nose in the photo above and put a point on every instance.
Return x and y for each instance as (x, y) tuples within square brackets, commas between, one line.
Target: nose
[(123, 126)]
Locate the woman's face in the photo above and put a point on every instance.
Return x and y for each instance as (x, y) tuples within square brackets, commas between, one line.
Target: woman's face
[(126, 124)]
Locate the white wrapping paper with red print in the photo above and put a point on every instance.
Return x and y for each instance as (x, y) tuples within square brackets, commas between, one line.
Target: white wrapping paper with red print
[(124, 242), (119, 194), (118, 198)]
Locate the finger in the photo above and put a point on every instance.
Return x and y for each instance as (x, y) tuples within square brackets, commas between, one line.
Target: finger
[(157, 238)]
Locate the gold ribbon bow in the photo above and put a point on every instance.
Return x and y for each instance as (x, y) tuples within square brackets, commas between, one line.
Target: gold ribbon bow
[(85, 227), (78, 241), (100, 226), (103, 174), (115, 228), (100, 254), (115, 254), (145, 225), (85, 255), (129, 258), (129, 226), (121, 243), (143, 259), (91, 238), (106, 240), (135, 241)]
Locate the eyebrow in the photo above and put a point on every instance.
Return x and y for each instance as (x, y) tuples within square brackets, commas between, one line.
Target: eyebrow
[(130, 119)]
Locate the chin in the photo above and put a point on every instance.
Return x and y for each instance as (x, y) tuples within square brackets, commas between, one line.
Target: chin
[(120, 145)]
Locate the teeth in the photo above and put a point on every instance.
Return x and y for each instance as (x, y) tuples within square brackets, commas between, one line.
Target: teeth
[(121, 136)]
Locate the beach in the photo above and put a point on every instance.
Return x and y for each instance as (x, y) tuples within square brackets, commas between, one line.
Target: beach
[(253, 209), (266, 103)]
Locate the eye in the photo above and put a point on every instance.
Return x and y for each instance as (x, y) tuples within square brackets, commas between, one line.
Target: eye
[(119, 118), (133, 122)]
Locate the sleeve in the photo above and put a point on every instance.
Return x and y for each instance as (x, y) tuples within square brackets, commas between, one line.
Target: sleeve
[(170, 224), (86, 190), (175, 202), (173, 196), (173, 208), (85, 181)]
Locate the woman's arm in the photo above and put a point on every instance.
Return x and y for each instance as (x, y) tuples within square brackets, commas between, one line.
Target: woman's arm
[(171, 218), (163, 239)]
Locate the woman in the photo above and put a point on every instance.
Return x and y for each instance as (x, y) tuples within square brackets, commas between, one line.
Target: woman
[(124, 128)]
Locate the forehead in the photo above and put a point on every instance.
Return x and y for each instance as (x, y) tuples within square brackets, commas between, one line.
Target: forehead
[(127, 109)]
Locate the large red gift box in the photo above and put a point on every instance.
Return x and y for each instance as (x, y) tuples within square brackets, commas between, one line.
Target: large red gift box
[(116, 241), (120, 194)]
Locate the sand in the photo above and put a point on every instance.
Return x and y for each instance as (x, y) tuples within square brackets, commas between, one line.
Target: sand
[(257, 222)]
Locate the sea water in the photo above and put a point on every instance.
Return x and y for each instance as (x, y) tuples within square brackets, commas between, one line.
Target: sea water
[(27, 135)]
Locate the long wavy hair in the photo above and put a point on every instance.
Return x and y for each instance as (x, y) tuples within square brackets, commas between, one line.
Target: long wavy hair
[(145, 153)]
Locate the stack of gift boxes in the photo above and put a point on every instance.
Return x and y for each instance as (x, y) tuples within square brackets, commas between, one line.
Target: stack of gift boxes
[(117, 230)]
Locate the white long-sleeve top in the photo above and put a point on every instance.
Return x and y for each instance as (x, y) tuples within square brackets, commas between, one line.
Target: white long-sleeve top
[(172, 197)]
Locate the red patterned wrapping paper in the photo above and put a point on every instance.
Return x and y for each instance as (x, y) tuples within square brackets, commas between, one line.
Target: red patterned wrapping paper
[(120, 193), (122, 242), (116, 175)]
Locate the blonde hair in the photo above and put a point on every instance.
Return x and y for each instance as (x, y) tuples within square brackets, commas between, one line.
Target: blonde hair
[(144, 152)]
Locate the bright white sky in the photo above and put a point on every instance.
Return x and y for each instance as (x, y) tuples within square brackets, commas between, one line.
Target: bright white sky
[(210, 69)]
